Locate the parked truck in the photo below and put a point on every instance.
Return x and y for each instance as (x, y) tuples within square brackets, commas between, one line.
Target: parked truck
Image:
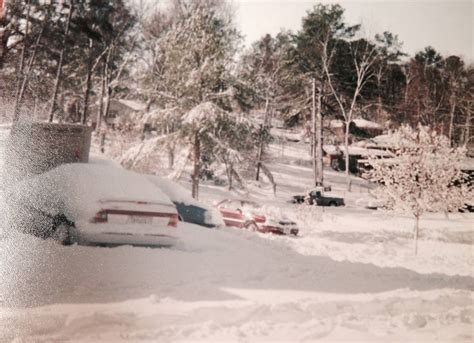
[(316, 197)]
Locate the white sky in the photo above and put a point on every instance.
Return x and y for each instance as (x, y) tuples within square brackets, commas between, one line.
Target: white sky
[(446, 25)]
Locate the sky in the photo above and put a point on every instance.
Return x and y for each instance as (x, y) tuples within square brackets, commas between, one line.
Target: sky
[(446, 25)]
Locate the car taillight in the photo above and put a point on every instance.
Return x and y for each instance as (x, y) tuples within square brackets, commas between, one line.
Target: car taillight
[(173, 220), (100, 217), (259, 218)]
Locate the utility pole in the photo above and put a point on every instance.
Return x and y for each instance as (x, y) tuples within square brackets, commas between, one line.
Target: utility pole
[(313, 131), (316, 134)]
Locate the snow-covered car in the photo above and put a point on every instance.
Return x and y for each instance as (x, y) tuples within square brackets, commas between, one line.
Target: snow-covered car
[(189, 209), (88, 203), (244, 214)]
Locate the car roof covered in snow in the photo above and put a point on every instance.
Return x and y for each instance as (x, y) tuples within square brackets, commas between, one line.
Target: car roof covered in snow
[(242, 200), (174, 191), (79, 187)]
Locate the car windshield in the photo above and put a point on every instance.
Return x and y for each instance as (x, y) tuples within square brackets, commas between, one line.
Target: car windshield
[(236, 171)]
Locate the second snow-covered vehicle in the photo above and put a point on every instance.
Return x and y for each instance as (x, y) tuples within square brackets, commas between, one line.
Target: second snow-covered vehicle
[(244, 214), (93, 204), (189, 209), (317, 198)]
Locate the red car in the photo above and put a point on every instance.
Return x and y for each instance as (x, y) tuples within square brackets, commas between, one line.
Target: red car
[(243, 214)]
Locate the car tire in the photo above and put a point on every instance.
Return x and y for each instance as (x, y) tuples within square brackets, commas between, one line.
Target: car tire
[(62, 234), (332, 204)]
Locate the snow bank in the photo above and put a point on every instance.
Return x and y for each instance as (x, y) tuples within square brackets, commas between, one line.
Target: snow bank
[(221, 285)]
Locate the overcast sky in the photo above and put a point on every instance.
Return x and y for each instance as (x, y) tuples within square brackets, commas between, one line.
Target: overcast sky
[(446, 25)]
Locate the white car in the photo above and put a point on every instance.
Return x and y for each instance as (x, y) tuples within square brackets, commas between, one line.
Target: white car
[(93, 204)]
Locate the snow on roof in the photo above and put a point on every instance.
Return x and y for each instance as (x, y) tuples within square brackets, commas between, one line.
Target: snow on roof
[(366, 124), (355, 150), (390, 140), (157, 115), (334, 123), (467, 163), (78, 189), (133, 104), (359, 122), (287, 134), (174, 191)]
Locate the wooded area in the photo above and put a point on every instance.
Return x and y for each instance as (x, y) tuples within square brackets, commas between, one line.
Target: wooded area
[(67, 61)]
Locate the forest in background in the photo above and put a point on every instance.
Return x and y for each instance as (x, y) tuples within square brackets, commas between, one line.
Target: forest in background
[(66, 61)]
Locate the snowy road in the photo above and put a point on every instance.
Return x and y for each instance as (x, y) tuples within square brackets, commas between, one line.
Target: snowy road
[(207, 262)]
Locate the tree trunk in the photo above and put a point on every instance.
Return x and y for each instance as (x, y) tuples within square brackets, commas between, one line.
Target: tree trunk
[(60, 66), (101, 103), (3, 37), (451, 120), (107, 102), (105, 115), (261, 143), (346, 152), (35, 107), (26, 76), (88, 85), (197, 166), (379, 96), (467, 129), (415, 236), (319, 138), (170, 157), (23, 49), (230, 169), (102, 141)]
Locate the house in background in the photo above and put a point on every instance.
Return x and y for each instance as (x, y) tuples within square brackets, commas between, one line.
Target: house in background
[(358, 129), (333, 156), (119, 108)]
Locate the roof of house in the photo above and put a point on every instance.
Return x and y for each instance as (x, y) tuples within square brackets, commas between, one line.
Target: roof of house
[(356, 150), (359, 122)]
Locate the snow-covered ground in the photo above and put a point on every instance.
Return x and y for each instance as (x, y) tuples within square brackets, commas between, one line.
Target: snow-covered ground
[(350, 275)]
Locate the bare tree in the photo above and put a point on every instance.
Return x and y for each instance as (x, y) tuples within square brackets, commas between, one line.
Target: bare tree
[(363, 55), (58, 79), (425, 175)]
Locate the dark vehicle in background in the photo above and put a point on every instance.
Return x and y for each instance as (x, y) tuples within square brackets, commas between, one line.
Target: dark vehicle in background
[(193, 214), (246, 214), (189, 209), (316, 197)]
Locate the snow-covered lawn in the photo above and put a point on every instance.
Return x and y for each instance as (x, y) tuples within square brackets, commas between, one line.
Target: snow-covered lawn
[(220, 285), (350, 275)]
